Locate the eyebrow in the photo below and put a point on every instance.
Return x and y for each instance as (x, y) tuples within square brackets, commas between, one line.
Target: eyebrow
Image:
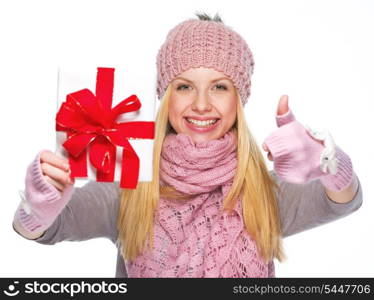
[(215, 80)]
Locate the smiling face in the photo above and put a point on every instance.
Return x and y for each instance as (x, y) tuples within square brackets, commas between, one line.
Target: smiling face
[(202, 104)]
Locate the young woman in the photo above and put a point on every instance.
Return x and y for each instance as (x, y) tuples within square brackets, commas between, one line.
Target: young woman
[(213, 209)]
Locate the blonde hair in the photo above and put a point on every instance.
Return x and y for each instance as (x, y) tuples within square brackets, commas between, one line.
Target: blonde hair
[(252, 180)]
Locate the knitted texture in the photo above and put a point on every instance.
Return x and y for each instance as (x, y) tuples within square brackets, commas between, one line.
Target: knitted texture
[(196, 43), (42, 202), (297, 155), (345, 175), (194, 237)]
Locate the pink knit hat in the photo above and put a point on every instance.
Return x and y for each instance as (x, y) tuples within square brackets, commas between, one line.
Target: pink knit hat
[(205, 43)]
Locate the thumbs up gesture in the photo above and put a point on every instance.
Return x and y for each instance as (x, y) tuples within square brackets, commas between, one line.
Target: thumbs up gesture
[(301, 154)]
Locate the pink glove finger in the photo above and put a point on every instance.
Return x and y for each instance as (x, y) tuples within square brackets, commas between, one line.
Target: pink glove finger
[(288, 117)]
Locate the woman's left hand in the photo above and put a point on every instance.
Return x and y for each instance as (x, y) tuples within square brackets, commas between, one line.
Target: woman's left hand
[(299, 154)]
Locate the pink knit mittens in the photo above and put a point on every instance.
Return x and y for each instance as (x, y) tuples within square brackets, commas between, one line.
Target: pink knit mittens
[(300, 155), (42, 202)]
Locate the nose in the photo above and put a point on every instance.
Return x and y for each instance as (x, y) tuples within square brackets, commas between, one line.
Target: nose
[(201, 103)]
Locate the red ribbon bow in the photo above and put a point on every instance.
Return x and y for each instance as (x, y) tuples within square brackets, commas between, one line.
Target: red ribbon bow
[(91, 126)]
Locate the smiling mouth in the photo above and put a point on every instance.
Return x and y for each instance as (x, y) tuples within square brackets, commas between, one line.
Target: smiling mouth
[(205, 123)]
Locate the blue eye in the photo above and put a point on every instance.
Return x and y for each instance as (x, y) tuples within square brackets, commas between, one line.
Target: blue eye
[(182, 87)]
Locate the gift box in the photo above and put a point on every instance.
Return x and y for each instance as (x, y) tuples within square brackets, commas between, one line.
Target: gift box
[(105, 124)]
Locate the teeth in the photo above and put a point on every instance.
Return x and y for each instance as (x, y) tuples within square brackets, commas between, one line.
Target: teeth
[(202, 123)]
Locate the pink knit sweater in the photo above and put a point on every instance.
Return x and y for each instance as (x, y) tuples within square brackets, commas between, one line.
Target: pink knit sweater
[(194, 238)]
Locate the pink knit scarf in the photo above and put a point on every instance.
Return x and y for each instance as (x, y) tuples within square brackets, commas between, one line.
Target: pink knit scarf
[(195, 238)]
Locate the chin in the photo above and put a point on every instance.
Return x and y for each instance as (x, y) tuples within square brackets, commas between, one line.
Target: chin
[(200, 138)]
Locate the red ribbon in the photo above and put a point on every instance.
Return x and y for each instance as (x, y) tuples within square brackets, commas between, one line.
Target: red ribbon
[(91, 126)]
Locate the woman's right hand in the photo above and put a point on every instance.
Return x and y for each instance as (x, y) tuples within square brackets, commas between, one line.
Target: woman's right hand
[(56, 170), (48, 189)]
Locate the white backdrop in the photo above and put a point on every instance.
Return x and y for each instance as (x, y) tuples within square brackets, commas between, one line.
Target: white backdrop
[(320, 53)]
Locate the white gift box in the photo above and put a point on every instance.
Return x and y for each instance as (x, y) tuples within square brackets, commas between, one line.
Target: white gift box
[(127, 81)]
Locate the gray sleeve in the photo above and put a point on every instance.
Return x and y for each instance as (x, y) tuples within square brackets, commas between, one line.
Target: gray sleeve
[(304, 206), (91, 213)]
